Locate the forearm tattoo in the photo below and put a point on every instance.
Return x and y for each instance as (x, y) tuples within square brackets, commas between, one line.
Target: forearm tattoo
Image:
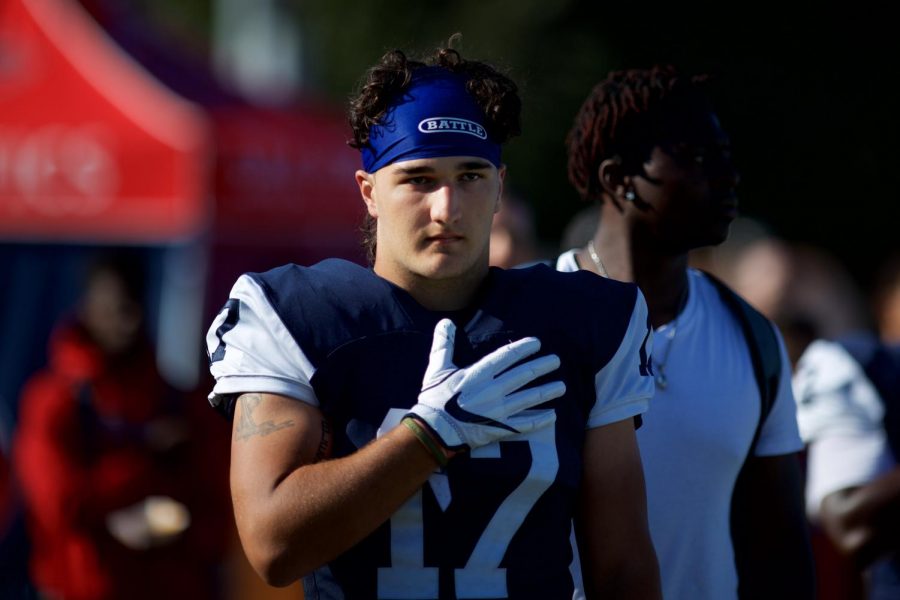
[(246, 427)]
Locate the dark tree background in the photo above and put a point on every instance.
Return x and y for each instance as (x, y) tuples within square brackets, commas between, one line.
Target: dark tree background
[(807, 92)]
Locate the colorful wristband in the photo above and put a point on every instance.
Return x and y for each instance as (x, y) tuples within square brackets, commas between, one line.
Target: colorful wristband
[(432, 446)]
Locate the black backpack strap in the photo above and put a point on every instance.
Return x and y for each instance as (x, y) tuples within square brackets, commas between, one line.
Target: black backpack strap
[(763, 345), (766, 358)]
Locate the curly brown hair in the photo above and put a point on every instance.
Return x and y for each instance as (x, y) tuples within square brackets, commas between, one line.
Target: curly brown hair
[(494, 92), (625, 116)]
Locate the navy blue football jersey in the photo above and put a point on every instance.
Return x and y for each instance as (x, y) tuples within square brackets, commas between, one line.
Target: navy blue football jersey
[(495, 523)]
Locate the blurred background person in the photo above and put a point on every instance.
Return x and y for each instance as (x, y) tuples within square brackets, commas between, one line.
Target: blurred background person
[(853, 481), (802, 286), (580, 228), (848, 392), (886, 300), (847, 385), (121, 489), (513, 239), (14, 583)]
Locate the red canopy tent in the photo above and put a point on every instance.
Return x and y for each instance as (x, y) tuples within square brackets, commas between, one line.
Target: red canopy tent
[(106, 140), (98, 146), (91, 148)]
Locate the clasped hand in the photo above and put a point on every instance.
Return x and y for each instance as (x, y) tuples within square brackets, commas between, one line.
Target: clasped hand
[(483, 403)]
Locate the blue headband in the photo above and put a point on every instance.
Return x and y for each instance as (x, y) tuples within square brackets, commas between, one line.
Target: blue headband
[(434, 117)]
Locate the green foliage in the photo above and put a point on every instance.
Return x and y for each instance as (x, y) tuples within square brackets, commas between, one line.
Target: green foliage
[(803, 95)]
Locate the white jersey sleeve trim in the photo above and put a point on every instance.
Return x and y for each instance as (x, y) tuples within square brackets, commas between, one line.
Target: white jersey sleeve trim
[(260, 354), (265, 384), (622, 391)]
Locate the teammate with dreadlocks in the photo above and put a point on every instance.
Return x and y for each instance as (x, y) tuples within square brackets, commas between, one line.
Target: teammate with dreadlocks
[(378, 468), (646, 145)]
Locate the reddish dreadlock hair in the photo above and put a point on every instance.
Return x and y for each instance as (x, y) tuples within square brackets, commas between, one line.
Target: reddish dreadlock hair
[(624, 117)]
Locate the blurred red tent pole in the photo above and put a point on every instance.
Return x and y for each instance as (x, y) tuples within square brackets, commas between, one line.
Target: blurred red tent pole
[(108, 137)]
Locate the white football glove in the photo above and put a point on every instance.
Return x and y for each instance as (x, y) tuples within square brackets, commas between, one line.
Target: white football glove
[(483, 403)]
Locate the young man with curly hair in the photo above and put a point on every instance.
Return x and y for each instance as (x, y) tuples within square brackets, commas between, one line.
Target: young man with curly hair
[(430, 427), (719, 449)]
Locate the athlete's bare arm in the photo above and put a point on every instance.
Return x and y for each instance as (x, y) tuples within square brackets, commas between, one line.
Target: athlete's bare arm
[(617, 556), (771, 540), (295, 509)]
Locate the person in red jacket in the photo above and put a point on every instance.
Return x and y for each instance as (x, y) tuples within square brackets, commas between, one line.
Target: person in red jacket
[(120, 500)]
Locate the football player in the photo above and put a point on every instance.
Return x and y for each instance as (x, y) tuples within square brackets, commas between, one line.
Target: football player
[(429, 427)]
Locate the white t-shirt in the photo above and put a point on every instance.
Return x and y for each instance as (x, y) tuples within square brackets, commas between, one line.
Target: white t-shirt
[(840, 416), (695, 436)]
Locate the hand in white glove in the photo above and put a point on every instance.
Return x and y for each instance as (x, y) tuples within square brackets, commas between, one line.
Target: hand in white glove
[(484, 402)]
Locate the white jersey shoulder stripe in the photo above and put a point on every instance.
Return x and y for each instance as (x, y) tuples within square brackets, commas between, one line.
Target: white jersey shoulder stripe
[(260, 355), (622, 390)]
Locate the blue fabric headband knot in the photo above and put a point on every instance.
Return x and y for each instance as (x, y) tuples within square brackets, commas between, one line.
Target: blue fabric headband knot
[(434, 117)]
